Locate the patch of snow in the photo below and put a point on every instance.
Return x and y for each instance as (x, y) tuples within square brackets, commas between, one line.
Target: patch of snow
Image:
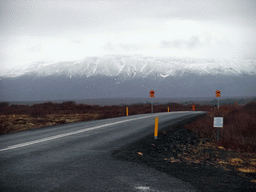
[(137, 66)]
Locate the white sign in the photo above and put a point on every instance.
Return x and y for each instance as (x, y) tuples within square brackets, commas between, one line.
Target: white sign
[(218, 122)]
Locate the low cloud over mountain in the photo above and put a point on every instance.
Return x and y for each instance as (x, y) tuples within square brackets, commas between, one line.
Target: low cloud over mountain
[(129, 76)]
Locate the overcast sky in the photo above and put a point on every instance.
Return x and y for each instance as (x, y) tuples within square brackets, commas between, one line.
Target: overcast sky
[(65, 30)]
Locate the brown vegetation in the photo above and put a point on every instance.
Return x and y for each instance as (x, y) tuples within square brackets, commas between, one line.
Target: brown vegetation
[(239, 129), (15, 118)]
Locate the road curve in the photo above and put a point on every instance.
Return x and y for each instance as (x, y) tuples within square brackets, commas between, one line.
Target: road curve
[(76, 157)]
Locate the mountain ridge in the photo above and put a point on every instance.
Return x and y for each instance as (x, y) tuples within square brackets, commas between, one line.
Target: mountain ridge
[(129, 76), (137, 66)]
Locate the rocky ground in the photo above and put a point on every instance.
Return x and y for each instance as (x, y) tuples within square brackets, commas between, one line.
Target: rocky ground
[(198, 161)]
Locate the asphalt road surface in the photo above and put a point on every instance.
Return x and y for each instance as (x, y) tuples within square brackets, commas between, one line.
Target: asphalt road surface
[(76, 157)]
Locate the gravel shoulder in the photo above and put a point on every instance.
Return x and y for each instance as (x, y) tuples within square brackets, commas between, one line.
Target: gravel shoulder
[(197, 161)]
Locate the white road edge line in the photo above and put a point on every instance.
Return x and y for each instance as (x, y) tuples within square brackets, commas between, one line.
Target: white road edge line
[(80, 131), (68, 134)]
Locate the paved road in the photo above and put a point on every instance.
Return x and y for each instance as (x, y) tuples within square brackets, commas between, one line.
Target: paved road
[(76, 157)]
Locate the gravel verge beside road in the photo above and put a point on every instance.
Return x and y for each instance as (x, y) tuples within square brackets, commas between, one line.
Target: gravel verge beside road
[(197, 161)]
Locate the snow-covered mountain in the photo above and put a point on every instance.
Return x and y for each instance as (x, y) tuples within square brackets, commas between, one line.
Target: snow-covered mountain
[(117, 76), (137, 66)]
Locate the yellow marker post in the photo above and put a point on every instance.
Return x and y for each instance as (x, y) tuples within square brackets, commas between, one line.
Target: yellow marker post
[(156, 128), (168, 109), (126, 111)]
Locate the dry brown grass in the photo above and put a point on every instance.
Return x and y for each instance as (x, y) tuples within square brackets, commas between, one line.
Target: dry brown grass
[(15, 118), (238, 132), (15, 123), (217, 156)]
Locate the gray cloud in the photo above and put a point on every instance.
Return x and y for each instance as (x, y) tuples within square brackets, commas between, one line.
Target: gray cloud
[(87, 24), (77, 41), (109, 47), (48, 17), (126, 47), (35, 49), (193, 43)]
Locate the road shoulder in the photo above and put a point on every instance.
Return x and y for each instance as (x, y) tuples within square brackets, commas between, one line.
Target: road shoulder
[(172, 153)]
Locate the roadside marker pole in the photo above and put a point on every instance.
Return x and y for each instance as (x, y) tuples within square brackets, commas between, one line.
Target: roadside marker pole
[(156, 127), (168, 109), (126, 111), (152, 105), (218, 95), (218, 134), (152, 95)]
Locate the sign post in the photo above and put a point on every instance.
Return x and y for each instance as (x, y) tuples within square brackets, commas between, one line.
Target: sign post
[(218, 95), (218, 122), (152, 95)]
